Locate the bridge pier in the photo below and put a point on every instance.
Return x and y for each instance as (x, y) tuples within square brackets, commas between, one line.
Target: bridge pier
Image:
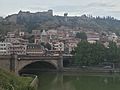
[(60, 63), (14, 63)]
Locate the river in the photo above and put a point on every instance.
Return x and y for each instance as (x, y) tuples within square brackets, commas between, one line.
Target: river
[(72, 81)]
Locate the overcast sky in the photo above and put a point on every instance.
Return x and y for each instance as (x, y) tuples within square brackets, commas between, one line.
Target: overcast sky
[(73, 7)]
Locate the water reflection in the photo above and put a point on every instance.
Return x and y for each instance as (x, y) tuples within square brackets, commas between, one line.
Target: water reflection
[(105, 81), (59, 81)]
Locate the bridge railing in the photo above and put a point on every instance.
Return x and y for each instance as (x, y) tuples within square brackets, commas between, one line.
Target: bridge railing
[(28, 57)]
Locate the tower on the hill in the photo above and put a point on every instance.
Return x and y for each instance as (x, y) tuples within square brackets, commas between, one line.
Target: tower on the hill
[(65, 16), (50, 12)]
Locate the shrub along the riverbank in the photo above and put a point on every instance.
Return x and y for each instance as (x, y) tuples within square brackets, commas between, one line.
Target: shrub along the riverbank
[(9, 81)]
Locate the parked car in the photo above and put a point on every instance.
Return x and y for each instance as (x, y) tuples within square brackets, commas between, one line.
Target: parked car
[(107, 67), (55, 54)]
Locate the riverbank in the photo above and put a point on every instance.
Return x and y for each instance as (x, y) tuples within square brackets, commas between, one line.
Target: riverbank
[(9, 81), (91, 70)]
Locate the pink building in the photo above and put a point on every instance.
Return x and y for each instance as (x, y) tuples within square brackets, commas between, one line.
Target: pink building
[(92, 37)]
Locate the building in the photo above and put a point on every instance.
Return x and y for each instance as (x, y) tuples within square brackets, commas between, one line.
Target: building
[(36, 32), (61, 34), (20, 40), (37, 40), (18, 49), (112, 37), (35, 49), (65, 16), (10, 34), (5, 48), (52, 34), (27, 14), (18, 45), (58, 46), (70, 44), (93, 37), (44, 37), (21, 34)]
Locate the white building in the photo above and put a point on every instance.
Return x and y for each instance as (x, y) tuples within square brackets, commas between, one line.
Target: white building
[(11, 34), (21, 34), (37, 40), (36, 32), (58, 46), (14, 40), (71, 44), (44, 37), (52, 34), (18, 46), (113, 37), (5, 48)]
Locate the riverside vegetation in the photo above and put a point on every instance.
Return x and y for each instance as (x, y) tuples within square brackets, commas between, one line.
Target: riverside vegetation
[(8, 81), (93, 54)]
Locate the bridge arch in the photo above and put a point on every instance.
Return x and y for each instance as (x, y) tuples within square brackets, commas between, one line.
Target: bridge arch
[(24, 64)]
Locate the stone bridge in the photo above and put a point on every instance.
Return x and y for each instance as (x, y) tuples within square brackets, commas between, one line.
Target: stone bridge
[(15, 63)]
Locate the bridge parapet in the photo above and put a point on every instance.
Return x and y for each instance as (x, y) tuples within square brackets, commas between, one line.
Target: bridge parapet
[(4, 57), (38, 57)]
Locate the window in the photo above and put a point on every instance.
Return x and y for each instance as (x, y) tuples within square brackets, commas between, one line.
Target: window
[(4, 48)]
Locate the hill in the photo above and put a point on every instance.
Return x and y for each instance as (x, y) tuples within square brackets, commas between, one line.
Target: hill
[(45, 20)]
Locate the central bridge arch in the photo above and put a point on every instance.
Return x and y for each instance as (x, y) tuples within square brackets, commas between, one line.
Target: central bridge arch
[(24, 64)]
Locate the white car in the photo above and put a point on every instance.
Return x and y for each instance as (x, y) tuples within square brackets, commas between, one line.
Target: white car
[(55, 54), (107, 67)]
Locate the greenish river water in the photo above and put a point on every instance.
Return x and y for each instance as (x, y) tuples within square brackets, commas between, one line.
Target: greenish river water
[(59, 81)]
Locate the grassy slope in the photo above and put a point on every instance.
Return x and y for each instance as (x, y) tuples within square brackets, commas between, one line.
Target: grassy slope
[(7, 80)]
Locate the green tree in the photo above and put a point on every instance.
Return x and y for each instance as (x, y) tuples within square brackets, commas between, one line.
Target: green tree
[(82, 50), (113, 53), (89, 54), (31, 39), (42, 43), (81, 35), (48, 46)]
